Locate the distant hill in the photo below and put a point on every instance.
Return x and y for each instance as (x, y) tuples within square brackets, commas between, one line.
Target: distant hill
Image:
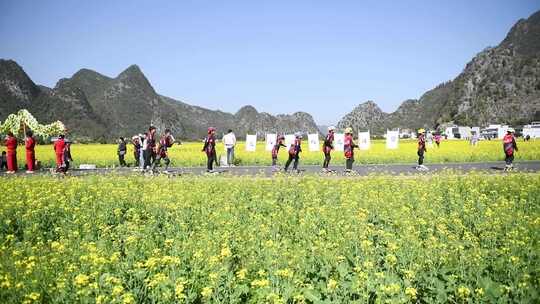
[(95, 107), (499, 85)]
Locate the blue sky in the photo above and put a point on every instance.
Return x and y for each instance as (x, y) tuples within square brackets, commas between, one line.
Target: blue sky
[(322, 57)]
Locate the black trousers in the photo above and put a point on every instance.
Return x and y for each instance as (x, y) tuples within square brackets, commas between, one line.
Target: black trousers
[(121, 159), (136, 155), (158, 159), (509, 158), (327, 159), (212, 158), (420, 157), (149, 157), (274, 161), (348, 163), (296, 158)]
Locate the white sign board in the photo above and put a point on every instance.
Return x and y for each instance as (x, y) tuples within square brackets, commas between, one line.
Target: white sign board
[(289, 140), (364, 141), (313, 140), (339, 141), (251, 143), (392, 138), (270, 141)]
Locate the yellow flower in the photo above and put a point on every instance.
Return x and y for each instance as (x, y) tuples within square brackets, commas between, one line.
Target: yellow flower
[(463, 292), (206, 292), (128, 298), (332, 284), (117, 290), (81, 280), (225, 252), (286, 273), (241, 274), (411, 292), (260, 283)]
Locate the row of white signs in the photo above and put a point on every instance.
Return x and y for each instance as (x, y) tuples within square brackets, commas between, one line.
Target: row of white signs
[(364, 142)]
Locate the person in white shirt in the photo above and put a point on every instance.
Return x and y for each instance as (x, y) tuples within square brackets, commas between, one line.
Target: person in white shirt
[(229, 140)]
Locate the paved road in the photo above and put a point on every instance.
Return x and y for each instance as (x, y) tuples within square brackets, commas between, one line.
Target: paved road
[(361, 170)]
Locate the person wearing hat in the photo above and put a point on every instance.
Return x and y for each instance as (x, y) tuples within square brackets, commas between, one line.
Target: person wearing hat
[(121, 151), (421, 150), (509, 146), (210, 149), (348, 150), (294, 152), (275, 151), (30, 143), (11, 147), (328, 146)]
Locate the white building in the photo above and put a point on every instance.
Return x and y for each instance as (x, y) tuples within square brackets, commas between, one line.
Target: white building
[(494, 131), (533, 129), (458, 132)]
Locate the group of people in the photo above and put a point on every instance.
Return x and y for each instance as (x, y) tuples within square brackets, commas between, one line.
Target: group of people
[(149, 150), (61, 146)]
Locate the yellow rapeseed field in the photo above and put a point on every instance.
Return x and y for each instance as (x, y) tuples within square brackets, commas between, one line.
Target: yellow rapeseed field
[(380, 239), (189, 154)]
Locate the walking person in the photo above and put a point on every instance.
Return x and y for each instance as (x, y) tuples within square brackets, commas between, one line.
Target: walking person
[(122, 150), (136, 141), (328, 146), (165, 142), (421, 150), (275, 150), (509, 147), (210, 149), (229, 140), (438, 139), (59, 150), (67, 154), (294, 152), (11, 147), (348, 150), (30, 143), (149, 147)]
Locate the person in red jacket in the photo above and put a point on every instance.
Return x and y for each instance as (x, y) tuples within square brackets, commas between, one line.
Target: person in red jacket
[(11, 146), (421, 150), (328, 146), (30, 143), (210, 149), (509, 147), (294, 152), (150, 147), (275, 151), (348, 150), (60, 149), (165, 142)]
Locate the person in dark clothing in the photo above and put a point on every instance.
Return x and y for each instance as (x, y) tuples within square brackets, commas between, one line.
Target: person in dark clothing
[(149, 147), (122, 150), (348, 150), (421, 150), (3, 161), (210, 149), (294, 152), (509, 147), (275, 151), (136, 141), (328, 146), (165, 142)]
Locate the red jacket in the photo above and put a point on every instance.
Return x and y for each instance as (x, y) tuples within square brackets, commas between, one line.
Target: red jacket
[(421, 142), (348, 146), (60, 146), (30, 143), (509, 144), (11, 144), (328, 142)]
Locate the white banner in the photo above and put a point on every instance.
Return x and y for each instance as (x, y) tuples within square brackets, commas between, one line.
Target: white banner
[(289, 140), (392, 138), (339, 141), (270, 141), (313, 142), (251, 143), (364, 141)]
